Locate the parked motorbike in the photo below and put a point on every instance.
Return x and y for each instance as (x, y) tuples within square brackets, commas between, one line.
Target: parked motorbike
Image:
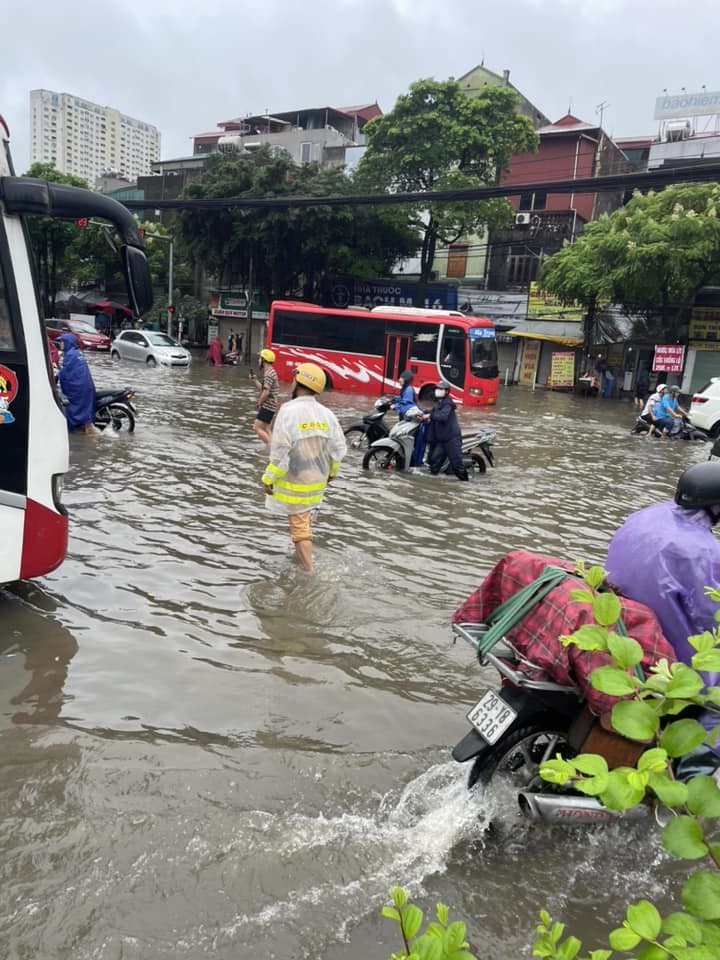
[(371, 427), (530, 720), (115, 409), (395, 451), (686, 432)]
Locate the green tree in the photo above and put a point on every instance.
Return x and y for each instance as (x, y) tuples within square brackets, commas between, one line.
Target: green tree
[(438, 138), (652, 256), (286, 249)]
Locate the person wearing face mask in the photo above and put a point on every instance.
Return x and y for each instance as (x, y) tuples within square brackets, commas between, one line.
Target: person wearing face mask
[(306, 448), (443, 433), (666, 554)]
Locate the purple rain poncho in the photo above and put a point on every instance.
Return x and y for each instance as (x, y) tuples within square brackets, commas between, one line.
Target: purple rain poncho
[(76, 384), (664, 556)]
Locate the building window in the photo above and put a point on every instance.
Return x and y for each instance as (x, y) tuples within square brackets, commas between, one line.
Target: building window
[(457, 260), (305, 152), (522, 270)]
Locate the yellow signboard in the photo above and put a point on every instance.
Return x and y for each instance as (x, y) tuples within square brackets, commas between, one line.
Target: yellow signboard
[(562, 371), (705, 324), (528, 368), (543, 304)]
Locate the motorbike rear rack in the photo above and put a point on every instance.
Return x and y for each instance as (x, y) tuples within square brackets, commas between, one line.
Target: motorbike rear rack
[(506, 658)]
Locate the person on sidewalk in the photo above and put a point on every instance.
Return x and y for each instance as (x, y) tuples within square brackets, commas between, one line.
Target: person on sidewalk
[(306, 449)]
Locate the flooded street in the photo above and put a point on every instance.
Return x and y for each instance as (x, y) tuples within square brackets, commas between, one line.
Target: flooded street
[(205, 752)]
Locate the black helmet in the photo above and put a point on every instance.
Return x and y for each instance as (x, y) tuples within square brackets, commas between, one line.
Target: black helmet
[(699, 486), (406, 376)]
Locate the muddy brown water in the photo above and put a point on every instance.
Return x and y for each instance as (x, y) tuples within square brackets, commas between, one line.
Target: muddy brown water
[(205, 752)]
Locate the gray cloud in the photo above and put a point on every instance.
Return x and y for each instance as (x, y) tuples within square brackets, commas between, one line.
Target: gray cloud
[(186, 65)]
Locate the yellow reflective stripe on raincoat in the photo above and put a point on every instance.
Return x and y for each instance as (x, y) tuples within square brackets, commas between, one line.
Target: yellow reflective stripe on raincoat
[(305, 501), (334, 467), (278, 471), (300, 487)]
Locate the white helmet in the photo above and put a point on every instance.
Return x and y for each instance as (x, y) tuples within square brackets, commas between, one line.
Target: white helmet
[(661, 388)]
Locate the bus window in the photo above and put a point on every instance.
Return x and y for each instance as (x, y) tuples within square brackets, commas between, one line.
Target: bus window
[(7, 341), (424, 342), (452, 355)]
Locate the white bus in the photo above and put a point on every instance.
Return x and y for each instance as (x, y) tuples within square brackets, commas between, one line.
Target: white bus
[(33, 430)]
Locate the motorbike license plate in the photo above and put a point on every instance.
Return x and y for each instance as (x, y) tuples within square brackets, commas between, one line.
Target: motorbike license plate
[(491, 717)]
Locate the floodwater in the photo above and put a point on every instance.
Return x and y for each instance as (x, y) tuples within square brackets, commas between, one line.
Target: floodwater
[(206, 752)]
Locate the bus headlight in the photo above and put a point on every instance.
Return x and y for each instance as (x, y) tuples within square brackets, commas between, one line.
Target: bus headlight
[(58, 486), (477, 391)]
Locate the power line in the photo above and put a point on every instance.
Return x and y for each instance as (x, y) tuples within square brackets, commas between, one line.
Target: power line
[(648, 180)]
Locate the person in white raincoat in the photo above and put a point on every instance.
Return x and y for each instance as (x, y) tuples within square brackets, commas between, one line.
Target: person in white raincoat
[(305, 453)]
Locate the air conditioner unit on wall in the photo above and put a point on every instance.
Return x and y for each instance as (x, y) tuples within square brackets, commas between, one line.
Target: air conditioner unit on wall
[(522, 219)]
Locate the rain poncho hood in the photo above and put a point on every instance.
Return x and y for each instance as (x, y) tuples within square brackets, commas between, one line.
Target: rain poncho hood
[(76, 384), (306, 449), (664, 556)]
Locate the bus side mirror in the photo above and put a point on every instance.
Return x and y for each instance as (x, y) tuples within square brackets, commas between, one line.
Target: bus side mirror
[(137, 277)]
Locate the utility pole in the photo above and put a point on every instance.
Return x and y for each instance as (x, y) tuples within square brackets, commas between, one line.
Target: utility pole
[(170, 306), (249, 293)]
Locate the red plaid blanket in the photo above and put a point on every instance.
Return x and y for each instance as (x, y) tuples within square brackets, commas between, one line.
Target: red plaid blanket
[(536, 636)]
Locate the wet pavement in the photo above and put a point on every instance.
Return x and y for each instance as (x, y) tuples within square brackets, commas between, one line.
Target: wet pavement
[(206, 752)]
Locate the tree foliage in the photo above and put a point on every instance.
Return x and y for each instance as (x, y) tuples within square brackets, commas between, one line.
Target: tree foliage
[(287, 249), (649, 714), (652, 256), (438, 138)]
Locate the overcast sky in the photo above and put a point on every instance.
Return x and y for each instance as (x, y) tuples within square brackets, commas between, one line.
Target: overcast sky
[(184, 65)]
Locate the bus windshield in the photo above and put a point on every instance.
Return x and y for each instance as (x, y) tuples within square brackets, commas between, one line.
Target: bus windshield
[(483, 353)]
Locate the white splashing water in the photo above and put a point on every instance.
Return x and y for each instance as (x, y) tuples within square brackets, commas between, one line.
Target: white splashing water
[(404, 842)]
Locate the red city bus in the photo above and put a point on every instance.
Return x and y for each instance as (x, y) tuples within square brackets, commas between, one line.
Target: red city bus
[(365, 351)]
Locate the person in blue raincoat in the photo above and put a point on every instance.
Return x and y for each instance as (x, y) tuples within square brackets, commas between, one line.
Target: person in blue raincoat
[(406, 398), (77, 386), (666, 554)]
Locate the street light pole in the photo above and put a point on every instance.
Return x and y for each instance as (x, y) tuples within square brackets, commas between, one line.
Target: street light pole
[(170, 287)]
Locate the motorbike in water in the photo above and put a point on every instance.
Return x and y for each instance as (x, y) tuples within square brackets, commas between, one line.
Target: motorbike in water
[(115, 409), (685, 431), (371, 427), (544, 704), (395, 451)]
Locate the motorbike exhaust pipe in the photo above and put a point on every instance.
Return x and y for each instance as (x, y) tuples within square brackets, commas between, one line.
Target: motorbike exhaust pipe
[(555, 808)]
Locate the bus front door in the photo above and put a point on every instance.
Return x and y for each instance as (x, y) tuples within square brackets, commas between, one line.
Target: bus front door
[(397, 356)]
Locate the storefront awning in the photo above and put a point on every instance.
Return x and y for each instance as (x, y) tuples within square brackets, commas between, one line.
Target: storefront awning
[(565, 341)]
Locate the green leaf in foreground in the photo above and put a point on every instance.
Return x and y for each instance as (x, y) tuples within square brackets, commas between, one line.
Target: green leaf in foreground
[(683, 837), (701, 895), (636, 720)]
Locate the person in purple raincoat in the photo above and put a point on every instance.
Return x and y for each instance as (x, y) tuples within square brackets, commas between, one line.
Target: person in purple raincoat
[(77, 386), (666, 554)]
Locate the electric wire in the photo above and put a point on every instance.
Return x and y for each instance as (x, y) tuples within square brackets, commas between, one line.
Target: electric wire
[(646, 180)]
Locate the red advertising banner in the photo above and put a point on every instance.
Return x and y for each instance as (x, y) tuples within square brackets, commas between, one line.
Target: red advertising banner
[(669, 357)]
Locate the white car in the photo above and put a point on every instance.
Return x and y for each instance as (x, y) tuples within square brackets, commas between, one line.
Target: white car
[(705, 408), (150, 347)]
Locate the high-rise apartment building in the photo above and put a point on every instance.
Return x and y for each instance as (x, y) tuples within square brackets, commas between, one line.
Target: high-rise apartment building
[(85, 139)]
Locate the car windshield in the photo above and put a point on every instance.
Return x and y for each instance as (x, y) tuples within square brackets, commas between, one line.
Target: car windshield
[(81, 326), (161, 340)]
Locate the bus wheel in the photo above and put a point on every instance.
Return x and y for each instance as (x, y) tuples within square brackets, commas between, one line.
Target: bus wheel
[(328, 382), (427, 394)]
